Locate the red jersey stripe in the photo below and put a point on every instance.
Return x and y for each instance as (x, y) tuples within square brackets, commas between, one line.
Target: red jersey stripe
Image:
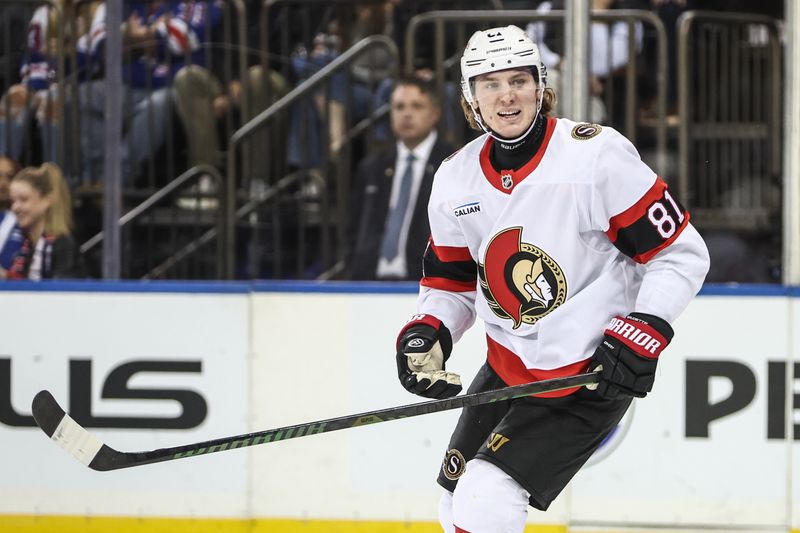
[(451, 253), (448, 284), (511, 370)]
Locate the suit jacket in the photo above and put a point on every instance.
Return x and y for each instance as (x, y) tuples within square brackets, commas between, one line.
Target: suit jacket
[(370, 205)]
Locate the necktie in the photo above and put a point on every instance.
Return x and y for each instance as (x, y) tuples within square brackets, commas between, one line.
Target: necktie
[(391, 235)]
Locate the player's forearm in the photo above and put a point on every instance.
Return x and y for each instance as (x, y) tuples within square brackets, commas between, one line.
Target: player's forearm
[(455, 309), (674, 276)]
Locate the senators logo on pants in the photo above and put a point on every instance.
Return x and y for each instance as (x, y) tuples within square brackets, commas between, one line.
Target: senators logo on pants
[(453, 465), (520, 281)]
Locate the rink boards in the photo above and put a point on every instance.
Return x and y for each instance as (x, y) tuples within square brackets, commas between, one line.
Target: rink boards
[(164, 364)]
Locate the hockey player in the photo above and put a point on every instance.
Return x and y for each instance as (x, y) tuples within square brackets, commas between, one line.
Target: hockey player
[(576, 256)]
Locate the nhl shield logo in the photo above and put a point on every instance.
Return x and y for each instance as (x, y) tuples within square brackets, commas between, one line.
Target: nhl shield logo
[(519, 280), (507, 181)]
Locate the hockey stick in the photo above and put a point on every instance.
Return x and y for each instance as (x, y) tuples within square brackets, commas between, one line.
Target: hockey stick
[(85, 447)]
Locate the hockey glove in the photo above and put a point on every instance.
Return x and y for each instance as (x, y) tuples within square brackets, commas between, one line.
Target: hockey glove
[(628, 355), (424, 344)]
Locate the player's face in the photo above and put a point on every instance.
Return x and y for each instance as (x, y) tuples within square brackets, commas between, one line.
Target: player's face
[(413, 114), (507, 101), (28, 204)]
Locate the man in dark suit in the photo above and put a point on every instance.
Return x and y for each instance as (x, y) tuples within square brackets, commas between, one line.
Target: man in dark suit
[(388, 228)]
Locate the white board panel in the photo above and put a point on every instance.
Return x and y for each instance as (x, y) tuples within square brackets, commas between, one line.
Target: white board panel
[(734, 476), (56, 340)]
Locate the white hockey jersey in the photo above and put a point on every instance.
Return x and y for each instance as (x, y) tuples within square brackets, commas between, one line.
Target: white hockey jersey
[(547, 255)]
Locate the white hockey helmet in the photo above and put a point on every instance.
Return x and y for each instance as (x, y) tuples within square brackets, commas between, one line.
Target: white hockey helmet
[(499, 49)]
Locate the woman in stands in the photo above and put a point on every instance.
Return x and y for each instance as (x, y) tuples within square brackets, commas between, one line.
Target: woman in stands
[(10, 234), (41, 202)]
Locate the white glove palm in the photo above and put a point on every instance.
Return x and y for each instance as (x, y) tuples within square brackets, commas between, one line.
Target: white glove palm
[(430, 365)]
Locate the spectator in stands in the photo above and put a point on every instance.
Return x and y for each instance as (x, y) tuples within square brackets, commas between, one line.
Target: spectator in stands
[(168, 36), (86, 173), (366, 71), (22, 100), (42, 204), (450, 105), (36, 103), (10, 233), (348, 92), (389, 230), (159, 39), (210, 103)]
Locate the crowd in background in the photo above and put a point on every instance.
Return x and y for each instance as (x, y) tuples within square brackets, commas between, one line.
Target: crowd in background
[(185, 94)]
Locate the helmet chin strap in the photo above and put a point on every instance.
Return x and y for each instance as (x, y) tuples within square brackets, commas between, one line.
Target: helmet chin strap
[(509, 144)]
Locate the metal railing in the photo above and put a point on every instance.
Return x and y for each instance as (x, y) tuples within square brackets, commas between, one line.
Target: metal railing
[(728, 131), (293, 182), (729, 94), (316, 81), (156, 200)]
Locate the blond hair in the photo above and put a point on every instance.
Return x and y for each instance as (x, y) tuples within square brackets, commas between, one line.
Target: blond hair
[(48, 180), (68, 21), (548, 105)]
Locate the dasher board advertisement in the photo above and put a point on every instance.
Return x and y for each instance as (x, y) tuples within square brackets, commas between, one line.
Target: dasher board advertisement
[(140, 371)]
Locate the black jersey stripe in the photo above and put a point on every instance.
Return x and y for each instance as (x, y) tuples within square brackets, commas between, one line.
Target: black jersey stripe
[(463, 271), (650, 225)]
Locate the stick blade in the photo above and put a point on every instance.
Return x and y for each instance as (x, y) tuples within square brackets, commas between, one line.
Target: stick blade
[(71, 436), (46, 412)]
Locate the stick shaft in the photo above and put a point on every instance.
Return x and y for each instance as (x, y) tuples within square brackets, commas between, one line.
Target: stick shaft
[(109, 459), (367, 418)]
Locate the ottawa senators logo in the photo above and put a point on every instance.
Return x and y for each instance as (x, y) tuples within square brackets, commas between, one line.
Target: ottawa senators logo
[(585, 131), (453, 465), (519, 280)]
